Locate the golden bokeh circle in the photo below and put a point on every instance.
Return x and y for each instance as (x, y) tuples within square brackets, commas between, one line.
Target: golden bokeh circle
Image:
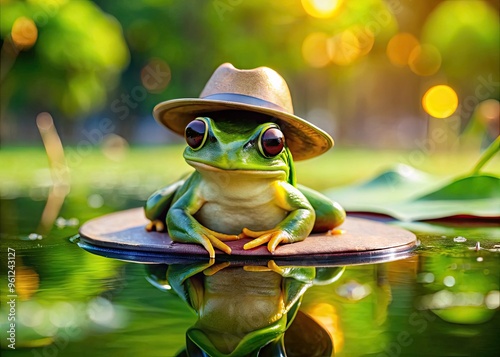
[(314, 49), (440, 101), (399, 48), (321, 8), (24, 32), (344, 48)]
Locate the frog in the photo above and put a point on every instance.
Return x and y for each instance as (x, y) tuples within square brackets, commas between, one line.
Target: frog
[(244, 185), (246, 308)]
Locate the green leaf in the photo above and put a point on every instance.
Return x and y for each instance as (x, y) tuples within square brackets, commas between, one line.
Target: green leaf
[(408, 194)]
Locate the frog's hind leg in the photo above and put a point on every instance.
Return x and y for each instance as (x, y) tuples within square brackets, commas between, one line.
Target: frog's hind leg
[(329, 214)]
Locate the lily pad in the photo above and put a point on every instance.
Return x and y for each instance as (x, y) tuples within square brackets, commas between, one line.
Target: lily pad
[(408, 194)]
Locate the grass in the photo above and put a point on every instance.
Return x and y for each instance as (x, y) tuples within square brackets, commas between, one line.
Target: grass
[(26, 167)]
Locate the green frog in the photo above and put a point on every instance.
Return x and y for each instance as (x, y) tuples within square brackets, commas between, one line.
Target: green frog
[(245, 310), (244, 186)]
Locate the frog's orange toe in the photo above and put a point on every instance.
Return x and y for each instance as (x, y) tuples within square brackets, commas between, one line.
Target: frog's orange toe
[(258, 241), (155, 225)]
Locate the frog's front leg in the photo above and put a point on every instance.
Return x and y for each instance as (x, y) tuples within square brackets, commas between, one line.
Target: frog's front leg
[(184, 228), (294, 228), (158, 204)]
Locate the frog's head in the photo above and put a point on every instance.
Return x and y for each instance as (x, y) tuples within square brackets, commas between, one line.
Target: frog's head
[(246, 142)]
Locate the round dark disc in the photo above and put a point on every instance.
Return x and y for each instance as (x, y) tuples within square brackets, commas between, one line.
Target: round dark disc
[(123, 233)]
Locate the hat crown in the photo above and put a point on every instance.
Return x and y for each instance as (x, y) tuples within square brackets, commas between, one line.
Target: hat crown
[(262, 83)]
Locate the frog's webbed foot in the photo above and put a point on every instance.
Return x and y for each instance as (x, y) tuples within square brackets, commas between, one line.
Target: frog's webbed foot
[(156, 225), (271, 266), (211, 239), (273, 237), (215, 268)]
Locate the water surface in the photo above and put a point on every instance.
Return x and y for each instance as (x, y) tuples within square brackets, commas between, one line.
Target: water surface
[(441, 301)]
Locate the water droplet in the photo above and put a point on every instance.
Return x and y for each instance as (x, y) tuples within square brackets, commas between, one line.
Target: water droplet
[(479, 259), (60, 222), (34, 236), (460, 239)]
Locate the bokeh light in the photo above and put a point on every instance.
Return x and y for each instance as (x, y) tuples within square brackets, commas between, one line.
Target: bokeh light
[(366, 39), (488, 116), (321, 8), (32, 314), (344, 48), (95, 200), (115, 147), (492, 300), (489, 109), (24, 32), (440, 101), (425, 60), (399, 48), (62, 314), (156, 75), (315, 49)]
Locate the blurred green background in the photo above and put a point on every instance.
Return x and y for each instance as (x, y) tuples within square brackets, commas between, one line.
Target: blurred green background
[(358, 69)]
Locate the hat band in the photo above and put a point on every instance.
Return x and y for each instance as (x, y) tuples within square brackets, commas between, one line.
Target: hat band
[(244, 99)]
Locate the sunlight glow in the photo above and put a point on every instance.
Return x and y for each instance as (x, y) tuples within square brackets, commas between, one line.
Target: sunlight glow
[(321, 8), (440, 101)]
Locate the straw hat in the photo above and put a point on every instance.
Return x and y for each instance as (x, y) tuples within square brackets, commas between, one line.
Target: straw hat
[(260, 90)]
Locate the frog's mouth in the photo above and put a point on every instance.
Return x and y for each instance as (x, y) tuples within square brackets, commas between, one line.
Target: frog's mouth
[(278, 173)]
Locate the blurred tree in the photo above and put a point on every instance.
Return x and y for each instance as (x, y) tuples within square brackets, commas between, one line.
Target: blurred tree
[(61, 56), (193, 38), (333, 57)]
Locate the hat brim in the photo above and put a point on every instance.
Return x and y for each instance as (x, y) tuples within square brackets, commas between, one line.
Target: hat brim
[(304, 139)]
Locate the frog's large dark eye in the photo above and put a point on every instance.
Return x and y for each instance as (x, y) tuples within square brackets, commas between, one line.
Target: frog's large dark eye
[(196, 133), (272, 142)]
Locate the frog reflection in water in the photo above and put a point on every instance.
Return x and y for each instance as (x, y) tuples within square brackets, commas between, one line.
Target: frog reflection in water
[(245, 310), (244, 185)]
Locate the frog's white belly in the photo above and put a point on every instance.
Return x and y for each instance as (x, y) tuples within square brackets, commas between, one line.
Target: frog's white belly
[(237, 301), (237, 202)]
